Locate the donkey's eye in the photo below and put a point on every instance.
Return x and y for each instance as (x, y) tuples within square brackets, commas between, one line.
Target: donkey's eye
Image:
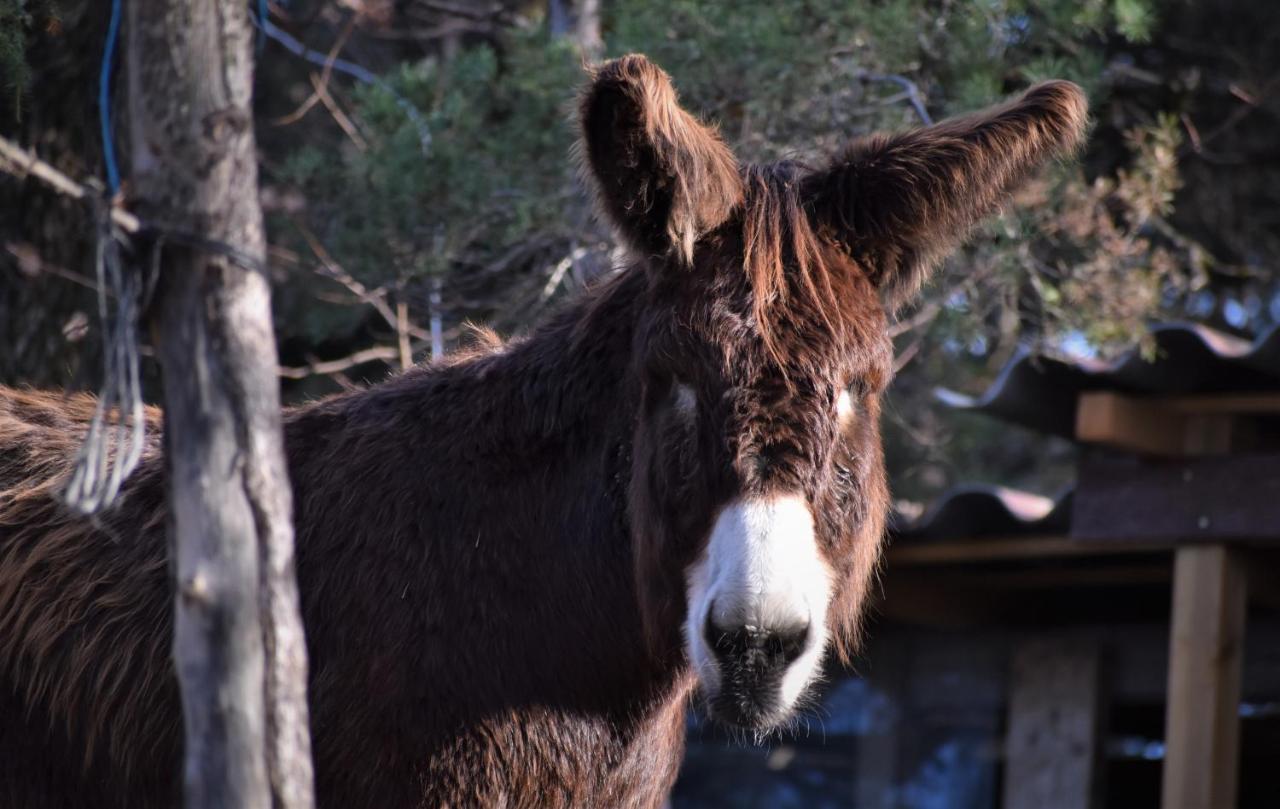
[(844, 407), (683, 400)]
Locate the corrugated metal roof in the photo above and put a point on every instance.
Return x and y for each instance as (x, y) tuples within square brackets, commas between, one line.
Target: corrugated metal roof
[(977, 511), (1040, 392)]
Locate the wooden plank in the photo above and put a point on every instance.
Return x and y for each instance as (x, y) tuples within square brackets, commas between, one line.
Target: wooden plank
[(1058, 576), (964, 551), (918, 597), (1173, 426), (1233, 403), (1134, 425), (1206, 649), (1218, 498), (1052, 745)]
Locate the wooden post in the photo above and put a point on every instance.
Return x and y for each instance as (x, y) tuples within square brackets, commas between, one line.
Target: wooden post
[(1051, 748), (1206, 647), (194, 175)]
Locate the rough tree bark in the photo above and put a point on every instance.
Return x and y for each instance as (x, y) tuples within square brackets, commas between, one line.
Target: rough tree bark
[(238, 642)]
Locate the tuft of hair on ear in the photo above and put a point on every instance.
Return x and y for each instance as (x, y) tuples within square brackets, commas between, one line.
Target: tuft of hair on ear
[(899, 204), (660, 176)]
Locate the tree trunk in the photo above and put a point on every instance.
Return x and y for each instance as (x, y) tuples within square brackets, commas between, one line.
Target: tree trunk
[(587, 29), (194, 174), (579, 19)]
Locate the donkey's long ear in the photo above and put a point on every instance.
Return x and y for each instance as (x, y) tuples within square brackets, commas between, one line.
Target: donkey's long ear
[(899, 204), (663, 178)]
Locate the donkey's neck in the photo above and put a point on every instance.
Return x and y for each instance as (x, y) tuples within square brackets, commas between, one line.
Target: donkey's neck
[(498, 484), (562, 391)]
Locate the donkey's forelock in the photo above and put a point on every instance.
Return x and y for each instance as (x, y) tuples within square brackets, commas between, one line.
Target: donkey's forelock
[(798, 283)]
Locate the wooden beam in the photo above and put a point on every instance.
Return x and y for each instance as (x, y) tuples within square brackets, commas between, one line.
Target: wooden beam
[(1002, 549), (1174, 426), (1230, 403), (1059, 576), (923, 598), (1206, 648), (991, 580), (1124, 422), (1052, 745)]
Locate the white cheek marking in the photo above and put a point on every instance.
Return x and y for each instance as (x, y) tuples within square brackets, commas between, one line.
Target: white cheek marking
[(762, 568), (844, 408)]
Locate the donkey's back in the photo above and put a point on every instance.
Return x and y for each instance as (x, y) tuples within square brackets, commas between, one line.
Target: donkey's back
[(82, 665)]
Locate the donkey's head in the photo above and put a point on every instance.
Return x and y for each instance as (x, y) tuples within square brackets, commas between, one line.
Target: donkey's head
[(757, 493)]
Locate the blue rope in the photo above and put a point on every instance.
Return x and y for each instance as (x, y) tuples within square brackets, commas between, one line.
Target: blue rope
[(104, 99), (104, 89), (263, 11)]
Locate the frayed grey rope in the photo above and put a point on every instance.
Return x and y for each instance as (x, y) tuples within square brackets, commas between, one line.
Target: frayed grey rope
[(110, 452)]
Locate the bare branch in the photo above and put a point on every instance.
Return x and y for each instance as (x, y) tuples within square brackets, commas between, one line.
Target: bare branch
[(557, 275), (27, 257), (18, 162), (325, 75), (912, 91), (332, 269), (402, 334), (377, 298), (343, 120), (372, 354)]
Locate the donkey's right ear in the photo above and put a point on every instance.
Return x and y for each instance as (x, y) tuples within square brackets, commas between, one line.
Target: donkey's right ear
[(663, 178), (901, 203)]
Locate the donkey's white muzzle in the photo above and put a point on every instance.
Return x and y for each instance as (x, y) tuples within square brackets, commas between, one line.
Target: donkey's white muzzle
[(757, 607)]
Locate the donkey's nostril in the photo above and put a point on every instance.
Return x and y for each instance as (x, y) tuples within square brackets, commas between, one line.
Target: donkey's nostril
[(764, 647), (792, 641)]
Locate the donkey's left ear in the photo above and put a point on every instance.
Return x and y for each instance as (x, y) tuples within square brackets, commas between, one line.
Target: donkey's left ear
[(663, 178), (899, 204)]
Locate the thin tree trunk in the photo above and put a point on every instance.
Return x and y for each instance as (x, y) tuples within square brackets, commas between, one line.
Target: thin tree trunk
[(579, 19), (238, 643), (587, 29)]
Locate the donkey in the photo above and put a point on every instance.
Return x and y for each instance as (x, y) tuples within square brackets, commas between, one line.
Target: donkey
[(517, 565)]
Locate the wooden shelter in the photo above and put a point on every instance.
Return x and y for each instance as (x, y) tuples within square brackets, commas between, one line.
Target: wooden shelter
[(1180, 457)]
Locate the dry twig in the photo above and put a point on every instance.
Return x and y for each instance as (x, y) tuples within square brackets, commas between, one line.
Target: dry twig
[(325, 75), (322, 367), (909, 87), (18, 162)]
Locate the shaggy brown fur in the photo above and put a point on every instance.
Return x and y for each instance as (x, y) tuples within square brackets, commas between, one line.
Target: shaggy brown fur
[(900, 204), (492, 550)]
